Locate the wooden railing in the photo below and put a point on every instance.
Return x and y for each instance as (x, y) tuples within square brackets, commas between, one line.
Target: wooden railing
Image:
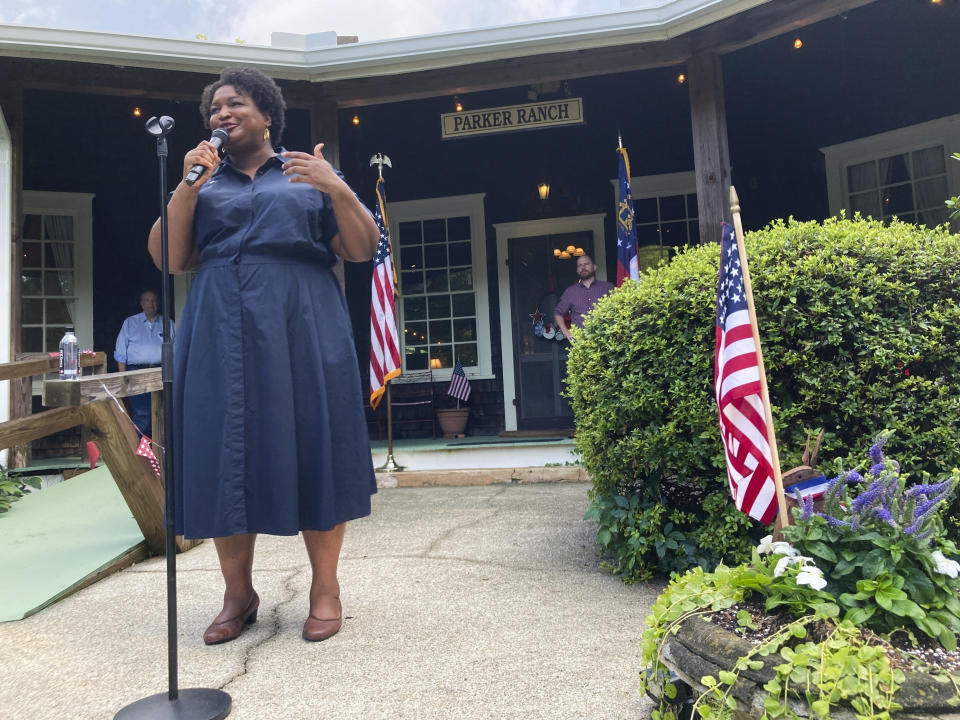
[(91, 402)]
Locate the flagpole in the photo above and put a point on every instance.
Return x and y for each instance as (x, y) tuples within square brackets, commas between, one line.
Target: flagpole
[(391, 464), (764, 393)]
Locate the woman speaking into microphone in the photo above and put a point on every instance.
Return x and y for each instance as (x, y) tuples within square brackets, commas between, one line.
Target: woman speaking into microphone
[(268, 415)]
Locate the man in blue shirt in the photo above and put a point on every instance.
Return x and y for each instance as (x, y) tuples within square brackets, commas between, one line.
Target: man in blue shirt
[(138, 346)]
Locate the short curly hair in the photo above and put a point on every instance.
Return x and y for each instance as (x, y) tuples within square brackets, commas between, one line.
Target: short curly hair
[(258, 87)]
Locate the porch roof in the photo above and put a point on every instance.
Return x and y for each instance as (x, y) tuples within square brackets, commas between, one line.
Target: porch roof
[(648, 21)]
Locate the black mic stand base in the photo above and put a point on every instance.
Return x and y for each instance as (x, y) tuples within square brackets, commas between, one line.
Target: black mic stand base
[(191, 704)]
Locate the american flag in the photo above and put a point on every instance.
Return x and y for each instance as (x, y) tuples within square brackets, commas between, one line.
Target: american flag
[(743, 426), (459, 385), (144, 449), (384, 346), (627, 266)]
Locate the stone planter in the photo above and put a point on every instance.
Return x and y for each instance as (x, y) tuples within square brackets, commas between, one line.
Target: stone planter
[(453, 421), (700, 648)]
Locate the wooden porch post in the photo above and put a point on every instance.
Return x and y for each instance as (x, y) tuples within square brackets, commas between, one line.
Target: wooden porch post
[(325, 128), (711, 155), (11, 102)]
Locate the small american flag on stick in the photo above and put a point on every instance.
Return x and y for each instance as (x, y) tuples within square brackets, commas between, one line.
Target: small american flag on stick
[(144, 449), (737, 378), (459, 385)]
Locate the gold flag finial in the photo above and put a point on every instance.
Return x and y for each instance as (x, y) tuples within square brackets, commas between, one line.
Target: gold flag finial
[(734, 201)]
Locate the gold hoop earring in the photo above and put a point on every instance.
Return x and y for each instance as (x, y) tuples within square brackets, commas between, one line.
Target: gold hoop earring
[(266, 133)]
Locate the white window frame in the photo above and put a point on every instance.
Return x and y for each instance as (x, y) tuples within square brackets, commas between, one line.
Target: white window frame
[(446, 207), (942, 131), (79, 206), (643, 187)]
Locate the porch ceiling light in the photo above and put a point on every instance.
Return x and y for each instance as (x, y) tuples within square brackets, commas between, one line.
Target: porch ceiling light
[(543, 190)]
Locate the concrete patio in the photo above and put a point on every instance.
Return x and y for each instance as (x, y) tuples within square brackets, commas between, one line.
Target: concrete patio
[(478, 601)]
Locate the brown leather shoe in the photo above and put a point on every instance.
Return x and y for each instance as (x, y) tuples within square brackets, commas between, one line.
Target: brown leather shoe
[(315, 629), (221, 632)]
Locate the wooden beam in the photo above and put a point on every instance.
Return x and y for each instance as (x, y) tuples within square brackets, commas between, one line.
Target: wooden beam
[(142, 490), (711, 155), (93, 388), (20, 431), (30, 364)]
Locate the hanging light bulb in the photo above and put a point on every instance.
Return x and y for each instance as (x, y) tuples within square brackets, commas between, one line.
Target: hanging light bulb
[(681, 78), (356, 120), (564, 255), (798, 43), (137, 112), (578, 252), (457, 105), (556, 252), (571, 249)]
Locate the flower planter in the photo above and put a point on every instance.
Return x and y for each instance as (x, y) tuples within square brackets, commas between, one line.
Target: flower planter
[(701, 648), (453, 421)]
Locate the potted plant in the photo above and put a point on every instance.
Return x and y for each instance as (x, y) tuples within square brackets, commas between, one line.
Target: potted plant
[(855, 614), (453, 419)]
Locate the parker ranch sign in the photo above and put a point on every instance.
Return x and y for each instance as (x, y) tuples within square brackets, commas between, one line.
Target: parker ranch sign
[(529, 116)]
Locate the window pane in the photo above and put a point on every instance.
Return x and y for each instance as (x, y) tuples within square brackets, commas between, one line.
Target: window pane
[(675, 233), (933, 216), (411, 257), (411, 282), (898, 200), (862, 177), (58, 282), (32, 254), (467, 355), (461, 279), (58, 227), (692, 207), (651, 255), (464, 305), (443, 353), (437, 281), (672, 207), (867, 204), (438, 307), (415, 333), (460, 254), (458, 228), (415, 308), (435, 231), (53, 336), (58, 311), (465, 330), (32, 339), (440, 332), (893, 169), (929, 162), (59, 255), (647, 235), (435, 256), (410, 233), (31, 229), (31, 312), (931, 193), (645, 210), (416, 358), (31, 283)]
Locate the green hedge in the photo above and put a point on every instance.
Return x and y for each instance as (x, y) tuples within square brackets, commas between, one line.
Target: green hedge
[(860, 327)]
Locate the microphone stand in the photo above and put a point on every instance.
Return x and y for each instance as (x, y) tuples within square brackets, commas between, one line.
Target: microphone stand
[(175, 704)]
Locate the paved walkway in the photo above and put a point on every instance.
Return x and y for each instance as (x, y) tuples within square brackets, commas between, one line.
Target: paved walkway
[(461, 602)]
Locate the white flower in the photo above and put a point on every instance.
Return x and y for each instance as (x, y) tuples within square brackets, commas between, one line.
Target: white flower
[(767, 545), (786, 561), (945, 566), (813, 576)]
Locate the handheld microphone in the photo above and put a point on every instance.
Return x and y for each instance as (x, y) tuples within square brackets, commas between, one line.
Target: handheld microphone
[(218, 139)]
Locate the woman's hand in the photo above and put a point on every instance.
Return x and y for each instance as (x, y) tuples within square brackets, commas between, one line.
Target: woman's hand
[(313, 169), (203, 154)]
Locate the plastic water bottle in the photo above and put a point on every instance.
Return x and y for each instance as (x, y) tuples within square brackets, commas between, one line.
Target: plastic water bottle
[(69, 355)]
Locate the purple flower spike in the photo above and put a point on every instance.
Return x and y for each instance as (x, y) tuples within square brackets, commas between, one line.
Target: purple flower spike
[(927, 489), (854, 477), (876, 451), (876, 469), (807, 508), (832, 521), (885, 515)]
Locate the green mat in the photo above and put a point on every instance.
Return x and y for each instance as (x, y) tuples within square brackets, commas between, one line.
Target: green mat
[(52, 539)]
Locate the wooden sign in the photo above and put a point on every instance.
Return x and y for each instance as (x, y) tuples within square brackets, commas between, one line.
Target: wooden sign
[(530, 116)]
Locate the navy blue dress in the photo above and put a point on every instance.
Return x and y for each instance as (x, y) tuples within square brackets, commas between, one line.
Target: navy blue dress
[(270, 431)]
